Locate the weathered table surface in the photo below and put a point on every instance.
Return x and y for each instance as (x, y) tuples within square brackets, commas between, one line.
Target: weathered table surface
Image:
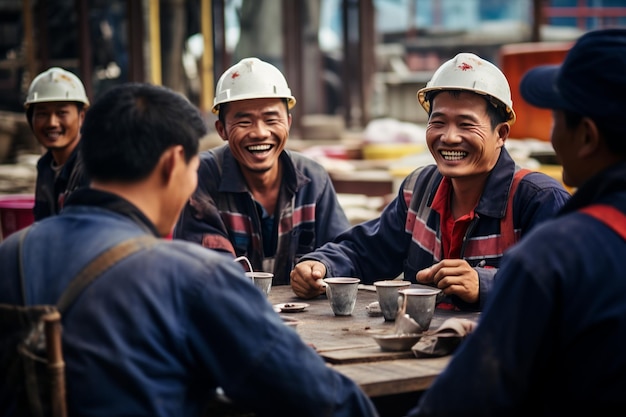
[(346, 343)]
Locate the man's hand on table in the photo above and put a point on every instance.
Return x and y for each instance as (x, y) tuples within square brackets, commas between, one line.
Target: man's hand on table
[(306, 279), (452, 276)]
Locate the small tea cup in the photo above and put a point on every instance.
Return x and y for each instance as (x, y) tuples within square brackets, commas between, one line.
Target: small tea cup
[(420, 304), (262, 280), (342, 292), (387, 291)]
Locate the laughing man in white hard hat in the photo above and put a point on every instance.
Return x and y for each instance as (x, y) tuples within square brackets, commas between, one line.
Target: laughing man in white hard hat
[(254, 197), (451, 221), (55, 109)]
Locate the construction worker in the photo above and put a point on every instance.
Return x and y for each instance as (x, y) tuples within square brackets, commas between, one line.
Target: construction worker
[(451, 221), (157, 333), (255, 198), (551, 340), (55, 109)]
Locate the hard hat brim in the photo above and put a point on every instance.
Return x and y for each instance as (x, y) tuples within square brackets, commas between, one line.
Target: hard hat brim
[(421, 97), (291, 102)]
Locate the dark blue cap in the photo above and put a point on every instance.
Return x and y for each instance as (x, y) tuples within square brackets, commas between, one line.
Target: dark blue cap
[(591, 81)]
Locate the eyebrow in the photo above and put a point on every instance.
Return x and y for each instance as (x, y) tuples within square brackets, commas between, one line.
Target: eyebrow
[(460, 116), (239, 115), (52, 106)]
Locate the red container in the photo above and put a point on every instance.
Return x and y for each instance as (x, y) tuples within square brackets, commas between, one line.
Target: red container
[(16, 212)]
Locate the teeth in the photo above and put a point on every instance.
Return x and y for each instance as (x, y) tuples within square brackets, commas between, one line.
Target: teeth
[(453, 155), (259, 148)]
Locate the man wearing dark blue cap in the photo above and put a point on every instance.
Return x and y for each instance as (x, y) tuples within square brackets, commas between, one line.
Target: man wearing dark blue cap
[(551, 340)]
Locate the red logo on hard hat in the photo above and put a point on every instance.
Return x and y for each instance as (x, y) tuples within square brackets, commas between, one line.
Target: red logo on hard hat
[(234, 75), (465, 66)]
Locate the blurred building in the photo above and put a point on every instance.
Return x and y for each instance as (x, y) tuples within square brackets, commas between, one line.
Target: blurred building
[(353, 60)]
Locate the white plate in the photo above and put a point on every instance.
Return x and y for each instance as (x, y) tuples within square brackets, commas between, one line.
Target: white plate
[(291, 307)]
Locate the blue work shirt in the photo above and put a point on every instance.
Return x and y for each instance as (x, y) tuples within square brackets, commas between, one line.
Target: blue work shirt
[(159, 331), (551, 339), (407, 237), (222, 214)]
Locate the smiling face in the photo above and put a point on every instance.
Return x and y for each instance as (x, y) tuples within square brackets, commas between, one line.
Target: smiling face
[(460, 137), (256, 131), (56, 126)]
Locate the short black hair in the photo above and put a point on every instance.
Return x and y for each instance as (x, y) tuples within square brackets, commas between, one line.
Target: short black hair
[(495, 110), (129, 127)]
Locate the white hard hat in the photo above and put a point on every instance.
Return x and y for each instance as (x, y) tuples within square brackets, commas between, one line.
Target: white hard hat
[(56, 84), (469, 72), (251, 78)]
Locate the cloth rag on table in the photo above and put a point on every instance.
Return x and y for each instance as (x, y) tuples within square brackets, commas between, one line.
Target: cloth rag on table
[(445, 339)]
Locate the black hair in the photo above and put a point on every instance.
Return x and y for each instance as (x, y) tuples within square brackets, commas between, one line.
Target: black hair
[(129, 127), (495, 110), (221, 116)]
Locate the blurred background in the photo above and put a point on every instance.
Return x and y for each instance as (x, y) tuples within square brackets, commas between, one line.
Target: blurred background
[(353, 65)]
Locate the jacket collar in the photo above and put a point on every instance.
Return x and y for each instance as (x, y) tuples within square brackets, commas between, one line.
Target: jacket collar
[(611, 180), (66, 170), (112, 202), (494, 197)]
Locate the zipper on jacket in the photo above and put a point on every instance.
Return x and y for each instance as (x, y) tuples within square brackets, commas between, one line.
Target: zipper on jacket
[(468, 233)]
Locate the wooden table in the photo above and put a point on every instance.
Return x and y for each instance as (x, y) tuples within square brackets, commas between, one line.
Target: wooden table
[(347, 345)]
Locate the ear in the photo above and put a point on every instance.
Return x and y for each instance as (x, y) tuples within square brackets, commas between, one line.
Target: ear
[(221, 130), (289, 120), (503, 131), (588, 138), (169, 162), (81, 115)]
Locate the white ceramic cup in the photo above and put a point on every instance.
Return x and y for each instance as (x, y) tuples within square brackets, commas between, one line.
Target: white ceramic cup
[(387, 291), (262, 280), (341, 292), (420, 304)]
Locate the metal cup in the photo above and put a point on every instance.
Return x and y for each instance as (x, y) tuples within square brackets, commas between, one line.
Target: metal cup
[(262, 280), (341, 292), (420, 305), (387, 291)]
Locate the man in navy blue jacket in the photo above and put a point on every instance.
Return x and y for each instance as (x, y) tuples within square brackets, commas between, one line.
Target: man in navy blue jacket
[(55, 109), (157, 333), (451, 222), (254, 197), (551, 339)]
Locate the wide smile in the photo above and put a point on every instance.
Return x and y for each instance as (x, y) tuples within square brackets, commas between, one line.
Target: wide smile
[(53, 135), (453, 155), (259, 149)]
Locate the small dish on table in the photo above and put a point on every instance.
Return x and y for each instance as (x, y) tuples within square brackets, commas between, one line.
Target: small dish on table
[(391, 342), (291, 307)]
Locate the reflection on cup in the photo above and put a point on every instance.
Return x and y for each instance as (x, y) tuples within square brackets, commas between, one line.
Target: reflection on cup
[(420, 305), (387, 291), (341, 292), (262, 280)]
